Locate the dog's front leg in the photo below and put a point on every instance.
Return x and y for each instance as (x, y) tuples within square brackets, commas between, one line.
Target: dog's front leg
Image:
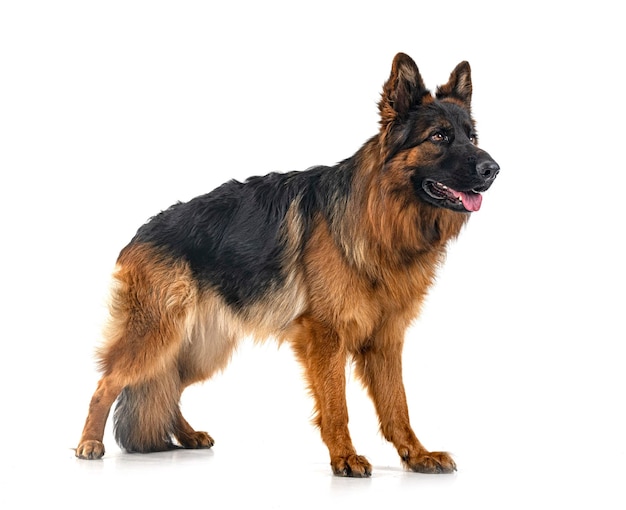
[(380, 369), (323, 355)]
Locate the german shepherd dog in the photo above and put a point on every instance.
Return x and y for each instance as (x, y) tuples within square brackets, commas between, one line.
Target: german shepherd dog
[(336, 261)]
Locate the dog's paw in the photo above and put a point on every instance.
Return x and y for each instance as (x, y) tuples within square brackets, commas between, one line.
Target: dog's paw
[(430, 462), (196, 440), (355, 466), (90, 449)]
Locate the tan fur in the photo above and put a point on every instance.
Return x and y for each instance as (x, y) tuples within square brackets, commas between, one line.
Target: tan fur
[(350, 290), (360, 304), (336, 305)]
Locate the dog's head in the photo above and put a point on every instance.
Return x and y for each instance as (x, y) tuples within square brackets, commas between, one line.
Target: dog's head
[(433, 138)]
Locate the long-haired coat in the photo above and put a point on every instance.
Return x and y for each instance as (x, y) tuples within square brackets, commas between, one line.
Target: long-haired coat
[(336, 261)]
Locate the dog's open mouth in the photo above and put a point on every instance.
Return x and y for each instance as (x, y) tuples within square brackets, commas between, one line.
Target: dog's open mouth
[(468, 200)]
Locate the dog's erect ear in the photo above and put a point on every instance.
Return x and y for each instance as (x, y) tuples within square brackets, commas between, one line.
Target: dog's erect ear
[(404, 90), (459, 85)]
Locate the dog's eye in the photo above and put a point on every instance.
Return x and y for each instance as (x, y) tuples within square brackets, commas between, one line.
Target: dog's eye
[(439, 137), (473, 139)]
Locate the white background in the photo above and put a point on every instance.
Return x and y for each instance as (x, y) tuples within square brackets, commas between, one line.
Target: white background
[(111, 111)]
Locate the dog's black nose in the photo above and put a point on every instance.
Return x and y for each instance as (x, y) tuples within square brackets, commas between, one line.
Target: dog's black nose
[(488, 169)]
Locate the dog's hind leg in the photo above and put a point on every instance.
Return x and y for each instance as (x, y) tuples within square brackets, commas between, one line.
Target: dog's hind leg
[(148, 416), (149, 307), (188, 437), (90, 445)]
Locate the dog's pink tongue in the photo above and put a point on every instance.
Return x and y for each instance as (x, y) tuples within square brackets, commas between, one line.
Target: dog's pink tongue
[(471, 201)]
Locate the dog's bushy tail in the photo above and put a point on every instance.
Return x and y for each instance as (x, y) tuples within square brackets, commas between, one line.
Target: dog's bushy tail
[(146, 415)]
